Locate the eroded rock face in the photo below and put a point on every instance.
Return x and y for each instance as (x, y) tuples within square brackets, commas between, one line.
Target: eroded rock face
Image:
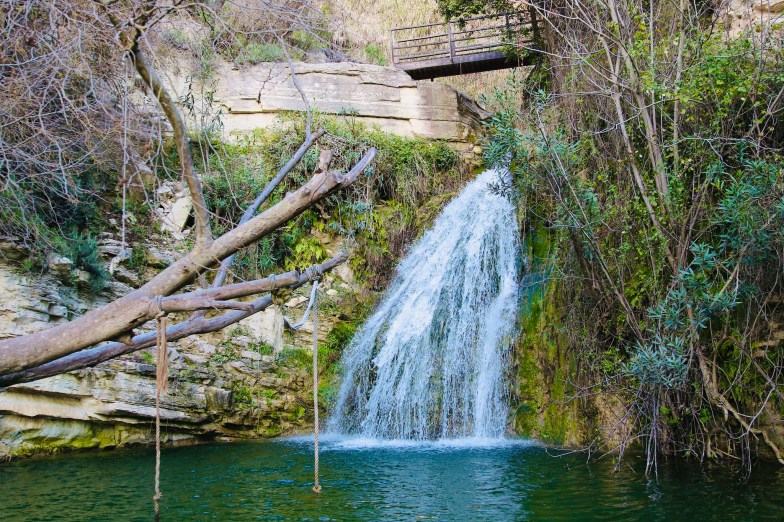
[(233, 383), (756, 16), (253, 96), (114, 404), (30, 303), (174, 208)]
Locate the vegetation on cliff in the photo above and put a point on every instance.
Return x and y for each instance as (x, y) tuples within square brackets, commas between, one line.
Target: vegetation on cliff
[(94, 168), (378, 218), (649, 144)]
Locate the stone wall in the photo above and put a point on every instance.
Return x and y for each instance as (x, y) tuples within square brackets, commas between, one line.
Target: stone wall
[(253, 96)]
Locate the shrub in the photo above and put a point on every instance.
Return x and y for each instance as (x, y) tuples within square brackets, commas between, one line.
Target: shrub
[(375, 54), (255, 52), (295, 357), (83, 251)]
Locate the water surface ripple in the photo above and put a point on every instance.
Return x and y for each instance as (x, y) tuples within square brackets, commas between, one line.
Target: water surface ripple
[(376, 480)]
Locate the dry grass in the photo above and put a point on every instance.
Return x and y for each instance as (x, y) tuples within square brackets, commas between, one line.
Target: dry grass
[(357, 24)]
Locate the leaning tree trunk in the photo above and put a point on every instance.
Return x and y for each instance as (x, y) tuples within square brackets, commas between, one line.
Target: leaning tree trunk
[(74, 344)]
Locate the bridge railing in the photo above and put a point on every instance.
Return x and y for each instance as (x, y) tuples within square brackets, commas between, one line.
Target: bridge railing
[(448, 41)]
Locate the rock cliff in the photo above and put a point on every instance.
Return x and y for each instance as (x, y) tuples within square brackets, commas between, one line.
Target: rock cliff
[(252, 380), (752, 15), (253, 96)]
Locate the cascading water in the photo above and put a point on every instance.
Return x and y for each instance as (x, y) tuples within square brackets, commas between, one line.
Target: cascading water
[(429, 363)]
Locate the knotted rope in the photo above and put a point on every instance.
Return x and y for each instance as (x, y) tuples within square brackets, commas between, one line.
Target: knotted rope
[(161, 386)]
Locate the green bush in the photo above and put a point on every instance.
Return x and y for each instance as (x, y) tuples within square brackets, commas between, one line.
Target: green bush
[(137, 261), (376, 54), (83, 251), (668, 236), (241, 395), (262, 348), (255, 52), (227, 352), (295, 358), (46, 218)]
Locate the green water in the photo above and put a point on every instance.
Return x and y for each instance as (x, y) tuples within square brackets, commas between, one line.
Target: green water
[(271, 481)]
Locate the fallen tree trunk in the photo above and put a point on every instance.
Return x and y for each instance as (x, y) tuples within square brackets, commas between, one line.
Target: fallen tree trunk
[(138, 307), (193, 326)]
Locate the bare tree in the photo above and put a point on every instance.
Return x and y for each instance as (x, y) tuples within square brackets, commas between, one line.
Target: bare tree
[(39, 37)]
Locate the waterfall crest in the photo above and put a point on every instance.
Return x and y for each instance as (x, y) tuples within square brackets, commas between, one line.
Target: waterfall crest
[(429, 363)]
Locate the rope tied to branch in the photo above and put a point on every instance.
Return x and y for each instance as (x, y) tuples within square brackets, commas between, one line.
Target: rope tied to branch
[(161, 387), (162, 357), (316, 486), (313, 273)]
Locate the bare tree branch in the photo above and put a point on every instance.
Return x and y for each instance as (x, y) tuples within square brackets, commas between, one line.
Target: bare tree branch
[(150, 77), (192, 326), (310, 139), (136, 308)]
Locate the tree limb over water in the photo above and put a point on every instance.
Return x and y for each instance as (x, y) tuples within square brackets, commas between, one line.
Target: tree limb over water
[(77, 344)]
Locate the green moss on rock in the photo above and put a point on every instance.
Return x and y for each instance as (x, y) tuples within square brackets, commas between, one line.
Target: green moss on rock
[(542, 407)]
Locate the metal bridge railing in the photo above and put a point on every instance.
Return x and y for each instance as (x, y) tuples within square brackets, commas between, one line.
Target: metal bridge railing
[(448, 41)]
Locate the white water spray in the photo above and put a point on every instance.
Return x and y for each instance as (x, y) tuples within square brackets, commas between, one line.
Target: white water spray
[(429, 363)]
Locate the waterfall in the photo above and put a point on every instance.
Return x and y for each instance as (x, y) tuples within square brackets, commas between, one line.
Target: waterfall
[(429, 363)]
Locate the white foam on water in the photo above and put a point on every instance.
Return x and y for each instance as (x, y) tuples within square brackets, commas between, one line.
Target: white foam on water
[(337, 442)]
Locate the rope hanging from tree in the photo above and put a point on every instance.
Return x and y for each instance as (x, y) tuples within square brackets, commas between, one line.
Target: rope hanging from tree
[(314, 274), (312, 305), (316, 486), (161, 386)]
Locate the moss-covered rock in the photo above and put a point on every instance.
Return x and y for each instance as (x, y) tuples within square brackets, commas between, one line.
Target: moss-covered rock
[(543, 408), (545, 404)]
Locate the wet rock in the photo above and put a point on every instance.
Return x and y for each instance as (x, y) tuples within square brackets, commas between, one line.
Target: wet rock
[(218, 399)]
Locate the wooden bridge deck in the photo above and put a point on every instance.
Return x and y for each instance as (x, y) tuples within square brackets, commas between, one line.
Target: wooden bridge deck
[(483, 43)]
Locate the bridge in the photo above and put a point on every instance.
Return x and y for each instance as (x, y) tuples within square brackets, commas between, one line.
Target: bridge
[(467, 45)]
